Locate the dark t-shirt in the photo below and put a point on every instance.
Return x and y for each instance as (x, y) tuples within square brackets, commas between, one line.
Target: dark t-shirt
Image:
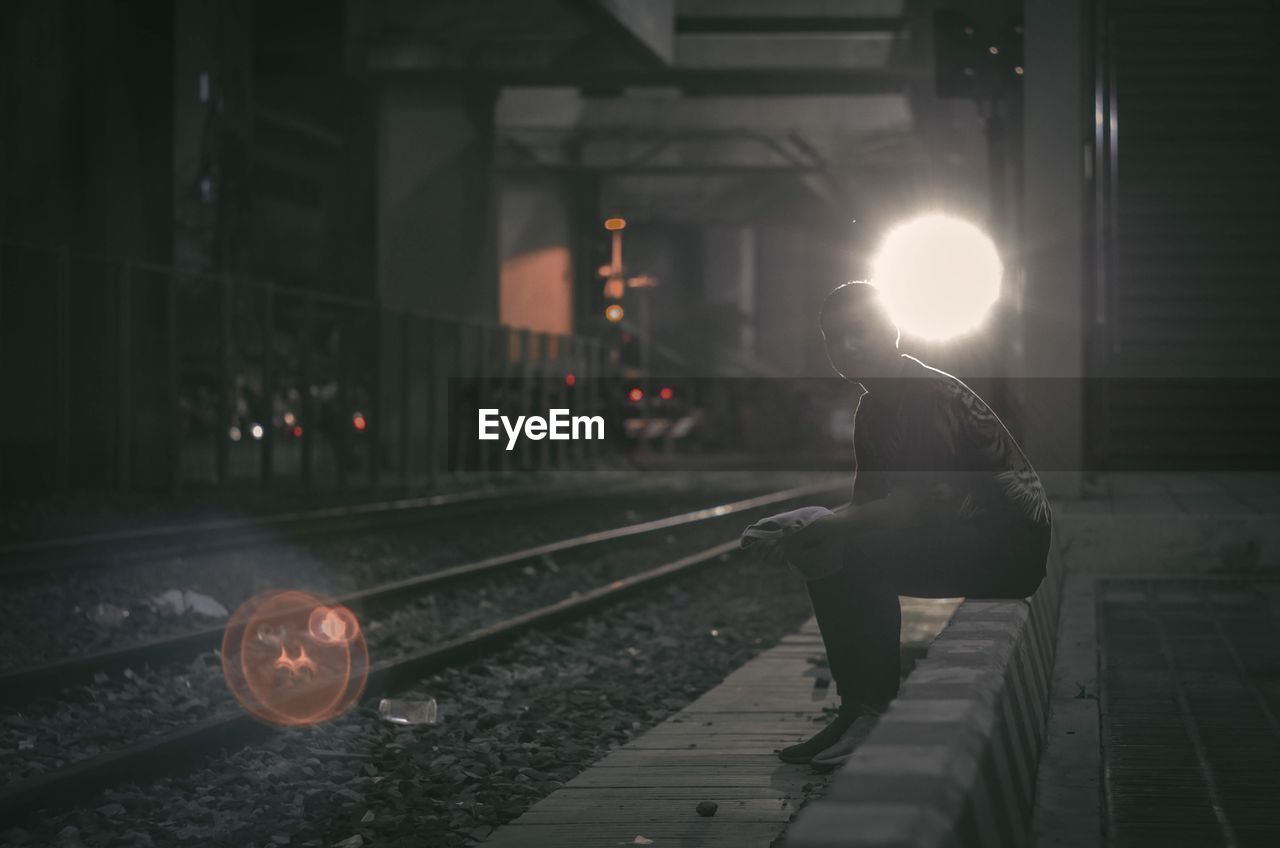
[(943, 442)]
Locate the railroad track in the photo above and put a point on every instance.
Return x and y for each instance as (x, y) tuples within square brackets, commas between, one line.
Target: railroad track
[(177, 749), (128, 547), (25, 684)]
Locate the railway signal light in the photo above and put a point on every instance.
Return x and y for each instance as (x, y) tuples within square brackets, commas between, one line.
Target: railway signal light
[(613, 313)]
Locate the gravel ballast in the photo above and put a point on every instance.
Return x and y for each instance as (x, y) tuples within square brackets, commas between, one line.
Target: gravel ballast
[(119, 709), (512, 729)]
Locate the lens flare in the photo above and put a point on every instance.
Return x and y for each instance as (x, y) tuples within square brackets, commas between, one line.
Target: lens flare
[(332, 625), (292, 658), (938, 276)]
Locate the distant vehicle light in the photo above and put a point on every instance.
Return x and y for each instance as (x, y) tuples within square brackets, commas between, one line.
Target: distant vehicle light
[(613, 313), (635, 395), (256, 430), (665, 393), (358, 421), (615, 223), (569, 379), (234, 433)]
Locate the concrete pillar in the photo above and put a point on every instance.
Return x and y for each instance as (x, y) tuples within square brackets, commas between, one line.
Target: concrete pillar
[(1055, 132), (790, 273), (729, 273), (437, 229)]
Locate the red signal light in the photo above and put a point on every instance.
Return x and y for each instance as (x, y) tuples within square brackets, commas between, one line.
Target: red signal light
[(358, 421), (635, 395), (569, 379), (665, 393)]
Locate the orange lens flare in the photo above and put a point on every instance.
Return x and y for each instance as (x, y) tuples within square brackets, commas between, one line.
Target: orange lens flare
[(292, 658), (332, 625)]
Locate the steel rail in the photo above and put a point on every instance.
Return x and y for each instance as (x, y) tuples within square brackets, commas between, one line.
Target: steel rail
[(129, 547), (25, 684)]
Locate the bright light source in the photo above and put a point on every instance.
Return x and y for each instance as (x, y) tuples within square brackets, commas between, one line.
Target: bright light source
[(256, 430), (938, 276), (615, 223), (613, 313), (358, 421), (636, 395), (665, 393), (289, 418)]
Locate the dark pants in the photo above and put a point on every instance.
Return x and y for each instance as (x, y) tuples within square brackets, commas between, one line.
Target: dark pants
[(857, 607)]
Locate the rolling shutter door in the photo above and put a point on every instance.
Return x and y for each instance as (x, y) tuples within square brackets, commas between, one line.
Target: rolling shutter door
[(1193, 262)]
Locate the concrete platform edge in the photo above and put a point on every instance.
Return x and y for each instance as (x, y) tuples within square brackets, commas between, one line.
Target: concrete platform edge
[(954, 760)]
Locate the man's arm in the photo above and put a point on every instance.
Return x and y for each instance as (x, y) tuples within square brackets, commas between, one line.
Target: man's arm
[(900, 508), (896, 510)]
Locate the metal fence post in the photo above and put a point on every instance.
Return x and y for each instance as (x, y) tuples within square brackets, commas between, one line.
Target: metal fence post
[(406, 363), (544, 395), (577, 449), (559, 397), (306, 377), (221, 441), (268, 413), (343, 418), (595, 386), (507, 337), (62, 448), (172, 379), (436, 398), (374, 420), (463, 382), (124, 372), (484, 339)]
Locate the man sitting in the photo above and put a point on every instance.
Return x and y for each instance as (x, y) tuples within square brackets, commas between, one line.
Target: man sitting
[(945, 504)]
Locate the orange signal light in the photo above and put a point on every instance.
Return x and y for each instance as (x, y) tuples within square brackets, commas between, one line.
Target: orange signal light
[(613, 313), (612, 224)]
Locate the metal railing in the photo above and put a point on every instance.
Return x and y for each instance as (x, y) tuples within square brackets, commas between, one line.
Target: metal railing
[(123, 374)]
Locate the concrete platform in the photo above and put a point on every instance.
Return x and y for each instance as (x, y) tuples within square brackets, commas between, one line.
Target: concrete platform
[(719, 748), (1171, 594)]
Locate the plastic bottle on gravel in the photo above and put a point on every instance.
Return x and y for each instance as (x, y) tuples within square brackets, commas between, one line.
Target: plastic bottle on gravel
[(406, 711)]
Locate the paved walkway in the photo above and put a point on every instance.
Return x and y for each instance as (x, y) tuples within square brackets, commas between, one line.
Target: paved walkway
[(1164, 727), (719, 749)]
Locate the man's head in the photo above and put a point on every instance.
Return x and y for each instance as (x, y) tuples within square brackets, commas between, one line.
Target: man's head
[(861, 338)]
